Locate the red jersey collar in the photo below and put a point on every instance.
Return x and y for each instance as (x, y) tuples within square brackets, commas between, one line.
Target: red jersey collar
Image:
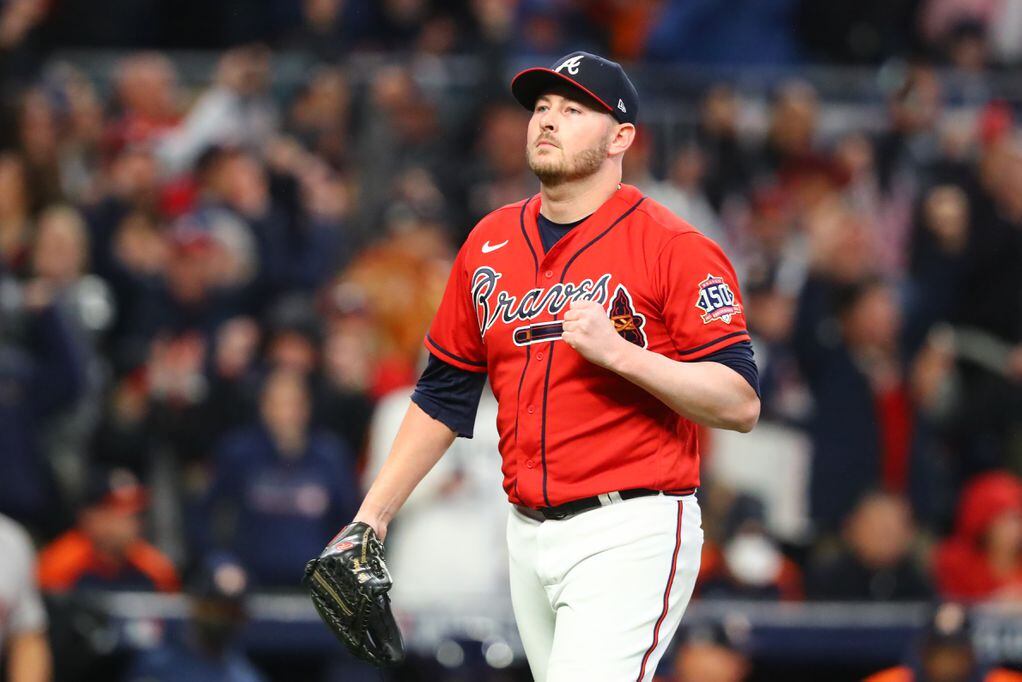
[(619, 202)]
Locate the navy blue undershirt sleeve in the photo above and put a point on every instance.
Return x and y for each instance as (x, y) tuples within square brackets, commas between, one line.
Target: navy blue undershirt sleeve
[(450, 395), (737, 356)]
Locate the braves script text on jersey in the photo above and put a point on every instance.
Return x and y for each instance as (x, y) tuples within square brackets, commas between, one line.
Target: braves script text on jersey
[(570, 429)]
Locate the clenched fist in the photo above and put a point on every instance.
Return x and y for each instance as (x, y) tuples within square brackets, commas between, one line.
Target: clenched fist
[(589, 330)]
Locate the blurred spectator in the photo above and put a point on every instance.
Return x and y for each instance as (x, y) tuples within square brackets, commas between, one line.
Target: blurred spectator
[(233, 374), (770, 312), (125, 436), (945, 653), (965, 46), (875, 561), (23, 641), (287, 486), (712, 653), (287, 230), (938, 259), (499, 174), (148, 100), (105, 550), (320, 114), (910, 147), (866, 429), (343, 402), (39, 145), (791, 137), (235, 111), (200, 288), (402, 135), (59, 258), (399, 281), (208, 650), (983, 559), (683, 194), (748, 563), (988, 328), (729, 164), (1000, 23), (42, 374)]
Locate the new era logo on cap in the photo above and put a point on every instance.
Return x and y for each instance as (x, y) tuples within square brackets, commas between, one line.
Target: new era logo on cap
[(600, 79)]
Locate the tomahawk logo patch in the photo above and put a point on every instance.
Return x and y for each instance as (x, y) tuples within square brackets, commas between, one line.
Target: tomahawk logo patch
[(716, 300), (627, 322)]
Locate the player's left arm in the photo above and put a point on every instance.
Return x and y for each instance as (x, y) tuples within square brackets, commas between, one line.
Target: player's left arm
[(708, 393)]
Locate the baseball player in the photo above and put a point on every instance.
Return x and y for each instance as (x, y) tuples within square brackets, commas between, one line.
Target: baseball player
[(609, 330)]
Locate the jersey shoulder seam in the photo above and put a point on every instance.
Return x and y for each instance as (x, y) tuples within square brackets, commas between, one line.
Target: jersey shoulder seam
[(676, 230)]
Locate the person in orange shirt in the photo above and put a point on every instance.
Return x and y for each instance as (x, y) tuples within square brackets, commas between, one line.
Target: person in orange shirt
[(105, 550), (945, 654)]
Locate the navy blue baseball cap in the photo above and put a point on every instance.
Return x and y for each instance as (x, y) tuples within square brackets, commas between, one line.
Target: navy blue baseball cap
[(603, 80)]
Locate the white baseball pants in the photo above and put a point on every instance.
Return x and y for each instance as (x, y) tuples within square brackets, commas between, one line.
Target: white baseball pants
[(599, 596)]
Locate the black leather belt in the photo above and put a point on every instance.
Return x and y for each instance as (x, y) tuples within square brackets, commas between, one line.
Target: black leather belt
[(569, 509)]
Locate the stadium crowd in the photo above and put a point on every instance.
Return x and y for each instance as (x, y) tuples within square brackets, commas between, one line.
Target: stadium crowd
[(207, 291)]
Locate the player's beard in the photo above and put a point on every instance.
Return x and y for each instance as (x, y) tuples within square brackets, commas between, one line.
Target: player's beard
[(556, 171)]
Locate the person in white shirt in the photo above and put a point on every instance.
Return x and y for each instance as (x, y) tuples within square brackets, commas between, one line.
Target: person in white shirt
[(23, 640)]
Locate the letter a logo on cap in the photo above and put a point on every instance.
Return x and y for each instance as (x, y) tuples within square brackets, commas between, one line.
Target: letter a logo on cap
[(571, 64)]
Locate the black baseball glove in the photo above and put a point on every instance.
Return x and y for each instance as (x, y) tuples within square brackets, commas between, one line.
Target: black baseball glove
[(349, 584)]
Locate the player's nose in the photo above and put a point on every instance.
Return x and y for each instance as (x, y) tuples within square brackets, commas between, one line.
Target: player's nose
[(547, 121)]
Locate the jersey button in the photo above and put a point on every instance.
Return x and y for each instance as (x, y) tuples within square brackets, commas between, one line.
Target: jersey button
[(530, 464), (549, 274), (530, 409), (539, 356)]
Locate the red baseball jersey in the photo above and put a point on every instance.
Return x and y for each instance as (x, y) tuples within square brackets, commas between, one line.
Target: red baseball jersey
[(568, 428)]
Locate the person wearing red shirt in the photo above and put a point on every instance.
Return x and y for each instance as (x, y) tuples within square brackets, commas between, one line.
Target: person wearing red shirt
[(983, 559)]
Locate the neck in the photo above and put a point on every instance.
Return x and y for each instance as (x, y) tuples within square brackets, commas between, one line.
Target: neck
[(573, 200)]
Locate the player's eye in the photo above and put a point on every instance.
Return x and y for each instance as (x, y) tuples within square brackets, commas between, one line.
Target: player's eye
[(540, 108), (574, 110)]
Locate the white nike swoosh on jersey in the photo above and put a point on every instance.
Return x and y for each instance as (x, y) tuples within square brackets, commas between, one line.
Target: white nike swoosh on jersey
[(487, 247)]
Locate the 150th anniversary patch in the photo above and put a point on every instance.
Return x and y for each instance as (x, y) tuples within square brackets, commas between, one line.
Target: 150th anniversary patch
[(716, 300)]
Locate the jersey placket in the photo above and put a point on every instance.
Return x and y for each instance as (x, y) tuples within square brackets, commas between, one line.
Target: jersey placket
[(553, 268), (530, 460)]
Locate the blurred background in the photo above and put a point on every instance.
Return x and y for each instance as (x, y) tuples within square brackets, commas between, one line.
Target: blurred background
[(225, 226)]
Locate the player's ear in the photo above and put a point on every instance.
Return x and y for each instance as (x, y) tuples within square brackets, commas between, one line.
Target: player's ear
[(622, 136)]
